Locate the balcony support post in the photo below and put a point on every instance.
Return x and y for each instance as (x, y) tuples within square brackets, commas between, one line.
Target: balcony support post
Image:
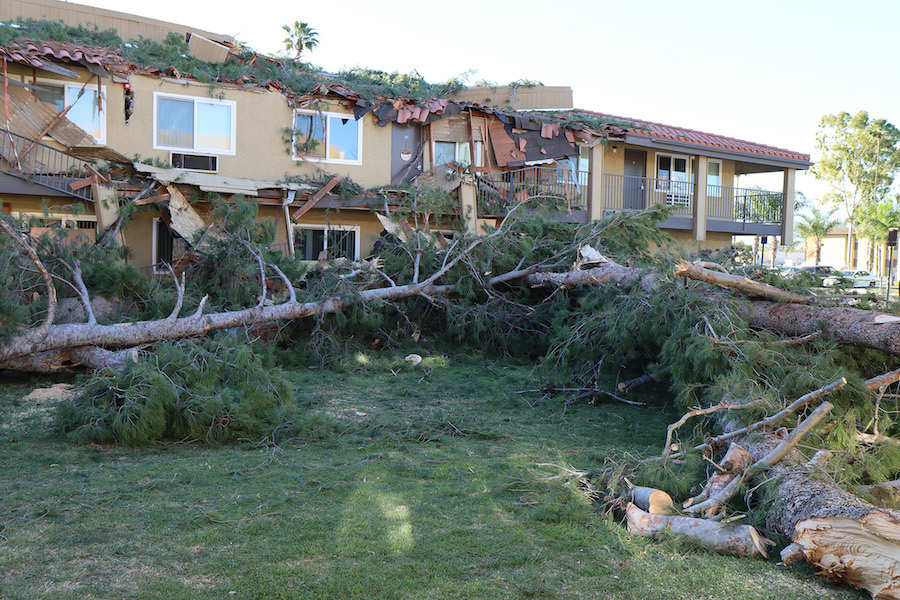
[(468, 206), (701, 168), (787, 209), (595, 182)]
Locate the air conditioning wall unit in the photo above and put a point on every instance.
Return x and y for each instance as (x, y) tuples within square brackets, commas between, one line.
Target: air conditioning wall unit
[(195, 162)]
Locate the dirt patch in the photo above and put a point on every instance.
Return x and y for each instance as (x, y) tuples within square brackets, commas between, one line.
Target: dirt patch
[(38, 406), (55, 393)]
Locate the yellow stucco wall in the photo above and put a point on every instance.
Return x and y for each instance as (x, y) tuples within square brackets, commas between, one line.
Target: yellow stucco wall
[(614, 161), (56, 206)]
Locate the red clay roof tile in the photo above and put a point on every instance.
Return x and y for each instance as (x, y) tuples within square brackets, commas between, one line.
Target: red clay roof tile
[(659, 130)]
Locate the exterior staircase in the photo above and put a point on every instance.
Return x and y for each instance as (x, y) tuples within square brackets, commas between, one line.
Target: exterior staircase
[(44, 165)]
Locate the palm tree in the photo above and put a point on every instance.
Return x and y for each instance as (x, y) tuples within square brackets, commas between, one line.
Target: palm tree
[(874, 223), (300, 36), (816, 225)]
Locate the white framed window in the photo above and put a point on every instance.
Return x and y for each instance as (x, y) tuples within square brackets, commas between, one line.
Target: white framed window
[(675, 178), (167, 247), (714, 178), (459, 153), (338, 241), (88, 105), (192, 123), (328, 137)]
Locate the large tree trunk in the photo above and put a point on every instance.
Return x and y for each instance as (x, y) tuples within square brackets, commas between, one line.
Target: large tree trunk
[(851, 326), (847, 325), (68, 340), (844, 537)]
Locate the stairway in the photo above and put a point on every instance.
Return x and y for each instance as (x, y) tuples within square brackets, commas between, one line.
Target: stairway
[(44, 165)]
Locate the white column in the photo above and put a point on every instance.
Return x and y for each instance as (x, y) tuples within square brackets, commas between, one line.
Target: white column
[(701, 171), (787, 209)]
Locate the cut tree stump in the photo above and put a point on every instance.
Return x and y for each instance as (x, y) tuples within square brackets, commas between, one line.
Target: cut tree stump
[(654, 501)]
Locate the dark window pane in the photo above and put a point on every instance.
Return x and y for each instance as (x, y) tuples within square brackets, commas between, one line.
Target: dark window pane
[(342, 244)]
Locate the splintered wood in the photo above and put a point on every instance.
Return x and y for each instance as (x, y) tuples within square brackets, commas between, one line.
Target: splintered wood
[(863, 552)]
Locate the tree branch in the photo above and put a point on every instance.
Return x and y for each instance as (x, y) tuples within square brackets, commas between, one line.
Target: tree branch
[(48, 281)]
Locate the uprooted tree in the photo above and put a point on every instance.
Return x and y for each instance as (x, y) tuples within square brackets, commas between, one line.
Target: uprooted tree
[(751, 361)]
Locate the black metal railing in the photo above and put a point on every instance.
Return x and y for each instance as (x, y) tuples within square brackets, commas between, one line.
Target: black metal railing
[(539, 187), (747, 205), (42, 164), (624, 192), (740, 205)]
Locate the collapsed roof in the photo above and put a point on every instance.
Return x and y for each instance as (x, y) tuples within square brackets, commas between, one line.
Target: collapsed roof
[(517, 138)]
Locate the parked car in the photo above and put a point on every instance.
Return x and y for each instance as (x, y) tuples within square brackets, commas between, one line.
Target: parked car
[(822, 272), (857, 279)]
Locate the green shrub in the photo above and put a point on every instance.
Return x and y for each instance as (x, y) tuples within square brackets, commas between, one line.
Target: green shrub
[(214, 391)]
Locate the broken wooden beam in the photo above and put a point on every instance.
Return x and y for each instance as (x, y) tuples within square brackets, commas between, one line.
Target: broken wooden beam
[(309, 204)]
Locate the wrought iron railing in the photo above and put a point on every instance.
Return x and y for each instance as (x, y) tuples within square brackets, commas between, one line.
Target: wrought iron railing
[(624, 192), (747, 205), (539, 187), (741, 205), (42, 164)]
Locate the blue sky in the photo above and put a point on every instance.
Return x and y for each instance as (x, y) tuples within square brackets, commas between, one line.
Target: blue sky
[(764, 71)]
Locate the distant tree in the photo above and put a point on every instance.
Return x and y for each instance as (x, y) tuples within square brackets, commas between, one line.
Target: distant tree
[(859, 160), (300, 36), (874, 222), (816, 225)]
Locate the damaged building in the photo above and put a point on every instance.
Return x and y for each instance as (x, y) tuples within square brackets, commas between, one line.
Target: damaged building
[(88, 132)]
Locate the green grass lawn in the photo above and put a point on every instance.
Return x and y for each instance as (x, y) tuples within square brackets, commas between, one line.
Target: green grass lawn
[(406, 487)]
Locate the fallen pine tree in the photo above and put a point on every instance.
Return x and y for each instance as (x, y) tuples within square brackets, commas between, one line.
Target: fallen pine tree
[(711, 347)]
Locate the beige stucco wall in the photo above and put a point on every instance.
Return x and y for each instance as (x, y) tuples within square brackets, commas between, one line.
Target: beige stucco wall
[(614, 161), (129, 26), (139, 234), (714, 240), (261, 120)]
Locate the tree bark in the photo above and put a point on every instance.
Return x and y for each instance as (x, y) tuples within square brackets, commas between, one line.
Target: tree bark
[(742, 540), (850, 326), (60, 337), (605, 273), (847, 325), (844, 537), (653, 501), (748, 286), (735, 461)]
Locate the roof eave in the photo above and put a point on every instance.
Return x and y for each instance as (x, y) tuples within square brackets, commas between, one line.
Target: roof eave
[(718, 152)]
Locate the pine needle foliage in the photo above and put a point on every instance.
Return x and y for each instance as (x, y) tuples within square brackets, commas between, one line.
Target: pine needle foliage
[(173, 53), (213, 391)]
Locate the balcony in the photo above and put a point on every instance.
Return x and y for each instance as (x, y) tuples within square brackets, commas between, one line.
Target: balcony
[(554, 190), (542, 189), (744, 210), (621, 192), (728, 209)]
